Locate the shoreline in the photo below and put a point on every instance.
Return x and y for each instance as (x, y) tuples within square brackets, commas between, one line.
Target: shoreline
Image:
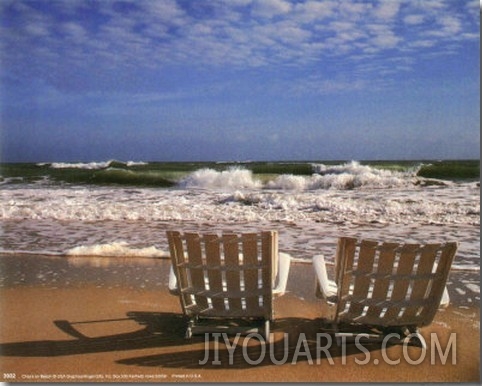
[(105, 268), (77, 320), (301, 239)]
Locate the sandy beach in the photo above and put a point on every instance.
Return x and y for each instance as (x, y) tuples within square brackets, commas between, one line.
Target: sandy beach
[(89, 319)]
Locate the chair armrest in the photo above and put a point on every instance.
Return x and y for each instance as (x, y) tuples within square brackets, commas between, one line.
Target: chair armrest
[(444, 302), (328, 288), (284, 262), (173, 289)]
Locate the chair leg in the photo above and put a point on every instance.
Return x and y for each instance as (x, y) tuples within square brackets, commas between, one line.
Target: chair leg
[(267, 330), (408, 335), (414, 338), (190, 325), (369, 336)]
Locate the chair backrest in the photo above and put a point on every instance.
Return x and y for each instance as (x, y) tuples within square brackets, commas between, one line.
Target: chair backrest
[(225, 275), (390, 284)]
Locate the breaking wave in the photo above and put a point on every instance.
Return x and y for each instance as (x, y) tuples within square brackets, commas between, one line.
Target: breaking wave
[(92, 165), (290, 176), (234, 178), (347, 176)]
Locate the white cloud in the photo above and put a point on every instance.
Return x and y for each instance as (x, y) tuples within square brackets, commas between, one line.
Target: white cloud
[(387, 10), (353, 10), (383, 37), (422, 43), (340, 25), (313, 10), (74, 31), (236, 3), (241, 33), (37, 29), (270, 8), (432, 5), (388, 40), (414, 19), (164, 11), (449, 27), (319, 85), (450, 24), (290, 33), (470, 35)]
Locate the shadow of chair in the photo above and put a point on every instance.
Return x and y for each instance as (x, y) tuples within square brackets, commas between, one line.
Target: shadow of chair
[(294, 340), (165, 332), (157, 330)]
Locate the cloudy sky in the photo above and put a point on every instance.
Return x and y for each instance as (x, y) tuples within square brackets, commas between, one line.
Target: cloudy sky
[(180, 80)]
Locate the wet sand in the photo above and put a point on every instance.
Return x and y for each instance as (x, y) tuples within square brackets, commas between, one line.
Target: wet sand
[(89, 319)]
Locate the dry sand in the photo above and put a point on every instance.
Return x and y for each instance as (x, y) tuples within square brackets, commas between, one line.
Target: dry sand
[(113, 320)]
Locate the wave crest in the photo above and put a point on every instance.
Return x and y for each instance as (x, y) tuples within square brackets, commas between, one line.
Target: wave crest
[(347, 176), (235, 178), (92, 165)]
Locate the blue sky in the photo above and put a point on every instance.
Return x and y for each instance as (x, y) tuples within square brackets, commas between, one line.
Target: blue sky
[(185, 80)]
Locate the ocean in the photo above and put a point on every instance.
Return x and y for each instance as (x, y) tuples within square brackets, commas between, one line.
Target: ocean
[(117, 208)]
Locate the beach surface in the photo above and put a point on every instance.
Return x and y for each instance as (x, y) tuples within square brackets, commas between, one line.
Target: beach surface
[(107, 319)]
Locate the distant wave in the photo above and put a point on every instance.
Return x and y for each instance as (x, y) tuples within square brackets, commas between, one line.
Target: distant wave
[(290, 176), (111, 172), (342, 181), (92, 165), (121, 176), (355, 168)]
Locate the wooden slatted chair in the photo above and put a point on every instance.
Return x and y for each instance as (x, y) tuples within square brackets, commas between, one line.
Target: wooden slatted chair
[(226, 283), (389, 287)]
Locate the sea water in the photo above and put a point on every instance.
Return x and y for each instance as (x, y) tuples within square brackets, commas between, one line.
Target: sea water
[(118, 208)]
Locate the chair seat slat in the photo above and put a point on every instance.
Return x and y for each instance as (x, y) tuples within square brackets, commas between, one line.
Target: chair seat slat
[(223, 267), (226, 294)]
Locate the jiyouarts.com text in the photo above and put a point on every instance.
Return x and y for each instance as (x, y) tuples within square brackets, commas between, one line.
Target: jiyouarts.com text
[(253, 349)]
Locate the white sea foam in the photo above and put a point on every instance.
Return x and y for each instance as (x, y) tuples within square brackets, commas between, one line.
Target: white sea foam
[(340, 181), (353, 175), (465, 267), (9, 180), (355, 168), (235, 178), (460, 291), (117, 249), (80, 165), (289, 182), (136, 163), (458, 204), (473, 287)]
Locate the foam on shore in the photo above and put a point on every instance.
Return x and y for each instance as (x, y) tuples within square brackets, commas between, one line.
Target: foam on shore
[(116, 249)]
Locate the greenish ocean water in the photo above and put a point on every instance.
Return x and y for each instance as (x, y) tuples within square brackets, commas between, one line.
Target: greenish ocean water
[(168, 174)]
